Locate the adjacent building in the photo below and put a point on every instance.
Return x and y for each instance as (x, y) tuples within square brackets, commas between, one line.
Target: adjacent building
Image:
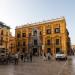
[(4, 36), (42, 37)]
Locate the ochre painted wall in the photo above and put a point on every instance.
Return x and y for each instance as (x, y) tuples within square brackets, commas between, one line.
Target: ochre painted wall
[(63, 36)]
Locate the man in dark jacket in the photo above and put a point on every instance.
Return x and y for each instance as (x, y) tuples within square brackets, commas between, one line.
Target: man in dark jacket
[(31, 56)]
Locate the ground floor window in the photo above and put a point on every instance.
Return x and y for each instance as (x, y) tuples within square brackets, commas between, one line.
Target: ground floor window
[(34, 51), (57, 50), (35, 42), (49, 50), (17, 49)]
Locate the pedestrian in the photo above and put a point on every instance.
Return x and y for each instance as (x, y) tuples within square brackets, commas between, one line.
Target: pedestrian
[(22, 57), (44, 57), (25, 56), (48, 55), (16, 58), (31, 56)]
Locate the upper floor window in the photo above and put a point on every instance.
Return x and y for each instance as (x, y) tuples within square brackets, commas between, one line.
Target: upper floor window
[(2, 32), (29, 34), (48, 31), (18, 43), (57, 41), (6, 33), (23, 34), (48, 42), (57, 30), (24, 43), (18, 35), (1, 41), (40, 33)]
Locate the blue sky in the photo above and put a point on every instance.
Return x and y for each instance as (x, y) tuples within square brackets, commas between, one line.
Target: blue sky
[(18, 12)]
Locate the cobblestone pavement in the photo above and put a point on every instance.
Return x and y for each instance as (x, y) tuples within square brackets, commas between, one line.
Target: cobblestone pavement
[(37, 67), (69, 68)]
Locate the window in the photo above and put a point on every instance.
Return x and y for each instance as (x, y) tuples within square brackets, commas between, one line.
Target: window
[(48, 31), (35, 42), (35, 32), (48, 42), (29, 34), (57, 41), (18, 43), (2, 32), (57, 50), (24, 43), (23, 34), (1, 41), (18, 35), (6, 33), (57, 30)]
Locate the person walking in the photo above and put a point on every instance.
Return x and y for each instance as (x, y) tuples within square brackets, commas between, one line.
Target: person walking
[(22, 57), (25, 57), (16, 58), (44, 57), (31, 56), (48, 55)]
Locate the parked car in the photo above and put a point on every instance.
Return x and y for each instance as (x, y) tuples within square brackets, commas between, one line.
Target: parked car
[(61, 55)]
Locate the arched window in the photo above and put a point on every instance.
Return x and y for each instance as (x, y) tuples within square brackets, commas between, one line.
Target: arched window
[(24, 43)]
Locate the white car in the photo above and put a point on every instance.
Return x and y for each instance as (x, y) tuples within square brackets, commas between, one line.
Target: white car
[(61, 56)]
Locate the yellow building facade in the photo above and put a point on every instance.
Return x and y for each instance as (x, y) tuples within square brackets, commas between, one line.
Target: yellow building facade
[(53, 35), (4, 36)]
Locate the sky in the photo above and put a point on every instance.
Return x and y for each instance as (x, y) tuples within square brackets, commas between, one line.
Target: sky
[(17, 12)]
